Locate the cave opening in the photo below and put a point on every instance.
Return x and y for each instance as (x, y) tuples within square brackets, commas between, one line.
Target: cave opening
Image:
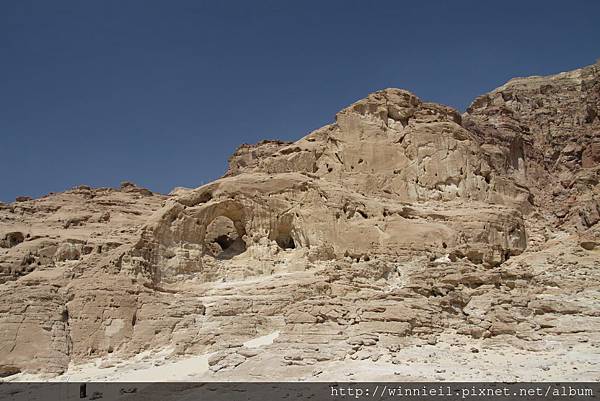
[(282, 234), (224, 239), (286, 242)]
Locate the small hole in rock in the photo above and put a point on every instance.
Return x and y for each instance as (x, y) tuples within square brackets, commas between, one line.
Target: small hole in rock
[(286, 243), (223, 240)]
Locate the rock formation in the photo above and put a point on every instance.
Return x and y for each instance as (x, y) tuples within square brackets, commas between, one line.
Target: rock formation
[(401, 223)]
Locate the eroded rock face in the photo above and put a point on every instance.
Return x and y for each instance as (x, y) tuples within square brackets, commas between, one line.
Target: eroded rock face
[(402, 221), (552, 125)]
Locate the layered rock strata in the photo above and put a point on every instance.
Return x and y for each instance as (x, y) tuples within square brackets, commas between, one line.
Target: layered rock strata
[(401, 222)]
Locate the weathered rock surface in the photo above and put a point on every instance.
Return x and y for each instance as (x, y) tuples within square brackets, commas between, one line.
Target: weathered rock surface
[(402, 222)]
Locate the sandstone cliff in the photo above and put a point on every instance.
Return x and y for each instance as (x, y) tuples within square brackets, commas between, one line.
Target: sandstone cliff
[(402, 222)]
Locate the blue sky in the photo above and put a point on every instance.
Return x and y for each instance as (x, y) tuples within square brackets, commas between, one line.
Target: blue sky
[(161, 92)]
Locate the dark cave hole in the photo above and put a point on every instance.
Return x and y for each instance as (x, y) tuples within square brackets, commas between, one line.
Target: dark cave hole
[(286, 242), (223, 239)]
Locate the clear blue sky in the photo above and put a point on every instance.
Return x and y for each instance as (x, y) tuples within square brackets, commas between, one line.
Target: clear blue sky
[(161, 92)]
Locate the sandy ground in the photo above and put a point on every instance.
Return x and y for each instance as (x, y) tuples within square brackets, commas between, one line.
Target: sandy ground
[(145, 367), (261, 341), (445, 362), (451, 359)]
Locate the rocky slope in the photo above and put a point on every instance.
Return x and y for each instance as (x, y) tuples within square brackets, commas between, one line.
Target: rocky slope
[(402, 224)]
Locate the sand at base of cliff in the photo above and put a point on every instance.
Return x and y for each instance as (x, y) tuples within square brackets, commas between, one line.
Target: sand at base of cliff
[(450, 359)]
